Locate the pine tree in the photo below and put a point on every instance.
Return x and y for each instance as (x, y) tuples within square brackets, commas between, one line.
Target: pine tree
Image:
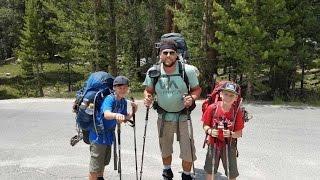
[(33, 46)]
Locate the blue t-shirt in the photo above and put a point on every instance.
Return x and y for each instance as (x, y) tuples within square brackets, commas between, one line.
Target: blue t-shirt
[(170, 90), (110, 104)]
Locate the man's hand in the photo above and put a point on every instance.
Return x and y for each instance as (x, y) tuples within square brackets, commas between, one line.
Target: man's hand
[(188, 101), (148, 100)]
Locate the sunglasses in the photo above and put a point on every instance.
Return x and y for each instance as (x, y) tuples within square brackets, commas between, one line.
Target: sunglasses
[(168, 52)]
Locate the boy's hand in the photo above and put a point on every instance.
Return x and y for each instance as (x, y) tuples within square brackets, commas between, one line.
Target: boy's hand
[(148, 100), (120, 118), (74, 107), (213, 132), (226, 133)]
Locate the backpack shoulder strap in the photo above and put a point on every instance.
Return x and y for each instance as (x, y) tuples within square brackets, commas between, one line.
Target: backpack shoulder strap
[(215, 109), (183, 75), (155, 79)]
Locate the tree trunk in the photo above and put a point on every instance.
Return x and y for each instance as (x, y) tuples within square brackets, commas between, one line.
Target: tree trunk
[(153, 32), (97, 7), (113, 39), (69, 77), (208, 36), (168, 28), (302, 79), (39, 81)]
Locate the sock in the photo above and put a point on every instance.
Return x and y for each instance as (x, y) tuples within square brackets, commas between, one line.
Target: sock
[(187, 173), (166, 166)]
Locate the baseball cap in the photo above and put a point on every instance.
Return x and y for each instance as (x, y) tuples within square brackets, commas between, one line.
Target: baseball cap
[(231, 87), (120, 80)]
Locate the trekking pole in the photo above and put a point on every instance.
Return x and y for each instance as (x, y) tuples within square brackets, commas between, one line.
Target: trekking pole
[(215, 149), (119, 149), (135, 139), (225, 124), (144, 140), (190, 130), (115, 157)]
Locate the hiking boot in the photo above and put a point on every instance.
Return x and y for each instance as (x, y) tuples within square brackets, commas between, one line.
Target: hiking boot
[(186, 177), (167, 174)]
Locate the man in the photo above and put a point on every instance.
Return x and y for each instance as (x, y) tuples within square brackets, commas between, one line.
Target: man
[(173, 101), (113, 111)]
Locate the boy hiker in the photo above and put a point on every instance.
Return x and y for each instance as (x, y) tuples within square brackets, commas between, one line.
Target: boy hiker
[(223, 122), (113, 110), (173, 102)]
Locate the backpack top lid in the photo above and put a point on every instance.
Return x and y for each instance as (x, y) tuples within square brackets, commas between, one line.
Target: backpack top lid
[(98, 81), (181, 43)]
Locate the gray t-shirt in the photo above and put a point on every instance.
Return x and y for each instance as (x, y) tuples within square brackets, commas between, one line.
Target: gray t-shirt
[(170, 90)]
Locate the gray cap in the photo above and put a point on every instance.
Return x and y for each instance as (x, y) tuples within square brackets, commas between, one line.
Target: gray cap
[(231, 87), (120, 80)]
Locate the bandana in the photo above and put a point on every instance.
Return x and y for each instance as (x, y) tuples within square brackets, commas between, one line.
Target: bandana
[(168, 46)]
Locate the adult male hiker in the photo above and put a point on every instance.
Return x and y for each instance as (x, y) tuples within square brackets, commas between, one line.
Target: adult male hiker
[(173, 99), (223, 121), (113, 110)]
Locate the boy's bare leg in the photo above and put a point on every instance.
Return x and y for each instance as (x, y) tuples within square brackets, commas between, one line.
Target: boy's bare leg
[(93, 176), (167, 160), (186, 166), (209, 177)]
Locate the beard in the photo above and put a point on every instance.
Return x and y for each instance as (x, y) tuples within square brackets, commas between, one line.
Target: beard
[(169, 64)]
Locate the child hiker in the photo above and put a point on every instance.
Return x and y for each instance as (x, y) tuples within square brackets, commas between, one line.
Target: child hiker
[(223, 122), (113, 110)]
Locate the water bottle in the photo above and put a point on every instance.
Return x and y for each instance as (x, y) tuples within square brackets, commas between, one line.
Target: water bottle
[(90, 109), (84, 103)]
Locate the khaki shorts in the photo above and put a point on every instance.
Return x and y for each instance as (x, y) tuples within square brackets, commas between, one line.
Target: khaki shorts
[(166, 141), (232, 160), (100, 157)]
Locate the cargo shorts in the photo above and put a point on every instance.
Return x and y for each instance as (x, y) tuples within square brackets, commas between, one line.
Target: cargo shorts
[(222, 155), (166, 141), (100, 156)]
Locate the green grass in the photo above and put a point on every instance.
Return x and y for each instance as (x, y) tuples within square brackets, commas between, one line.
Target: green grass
[(56, 77), (7, 92), (13, 69)]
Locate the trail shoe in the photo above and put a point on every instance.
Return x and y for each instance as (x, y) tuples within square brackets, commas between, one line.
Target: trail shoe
[(167, 174), (186, 177)]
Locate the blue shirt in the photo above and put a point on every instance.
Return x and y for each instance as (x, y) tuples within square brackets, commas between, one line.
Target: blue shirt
[(110, 104)]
